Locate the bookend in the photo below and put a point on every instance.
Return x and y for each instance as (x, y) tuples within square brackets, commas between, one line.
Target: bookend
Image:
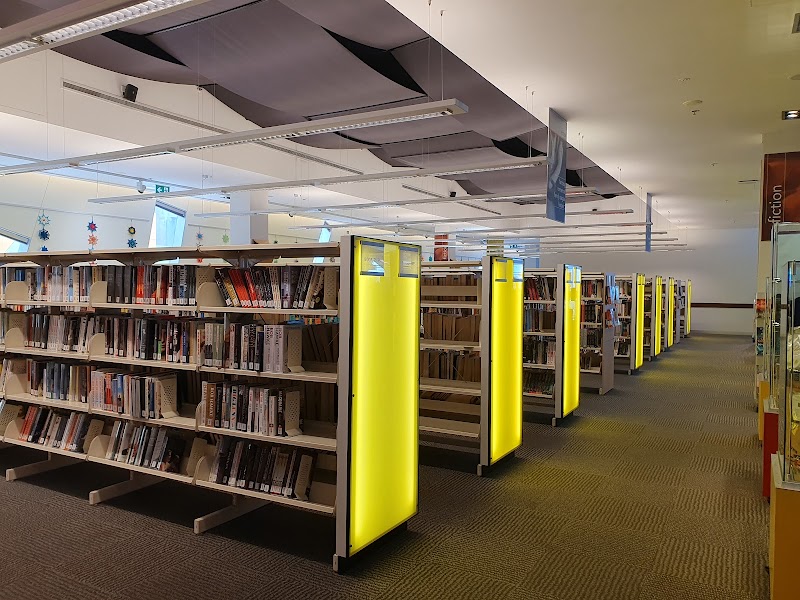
[(136, 481), (53, 461)]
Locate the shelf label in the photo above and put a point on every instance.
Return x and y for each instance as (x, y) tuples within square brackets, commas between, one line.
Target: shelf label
[(372, 261), (409, 261)]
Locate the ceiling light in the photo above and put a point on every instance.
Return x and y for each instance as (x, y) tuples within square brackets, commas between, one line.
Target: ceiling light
[(555, 227), (569, 235), (374, 118), (50, 31), (326, 181), (789, 115)]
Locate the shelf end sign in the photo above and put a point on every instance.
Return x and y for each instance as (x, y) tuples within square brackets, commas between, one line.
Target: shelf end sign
[(557, 168)]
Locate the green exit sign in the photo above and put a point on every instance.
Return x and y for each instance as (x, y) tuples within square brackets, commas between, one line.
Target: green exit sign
[(162, 189)]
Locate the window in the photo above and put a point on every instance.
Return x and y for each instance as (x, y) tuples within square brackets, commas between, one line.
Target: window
[(324, 237), (168, 225), (11, 241)]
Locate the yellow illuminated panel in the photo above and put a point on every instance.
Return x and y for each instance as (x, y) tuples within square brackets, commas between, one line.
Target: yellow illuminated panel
[(572, 340), (671, 313), (385, 390), (638, 289), (657, 290), (506, 361), (688, 306)]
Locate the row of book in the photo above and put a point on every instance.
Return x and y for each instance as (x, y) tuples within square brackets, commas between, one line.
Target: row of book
[(592, 288), (540, 288), (132, 394), (539, 318), (591, 313), (174, 340), (57, 380), (624, 328), (450, 365), (60, 333), (3, 325), (57, 283), (461, 280), (57, 429), (251, 347), (538, 351), (624, 308), (169, 285), (622, 348), (284, 287), (538, 382), (625, 287), (277, 470), (591, 338), (146, 446), (450, 327), (252, 408)]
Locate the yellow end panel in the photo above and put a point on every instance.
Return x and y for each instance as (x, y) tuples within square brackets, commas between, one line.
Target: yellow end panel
[(385, 389), (572, 339), (506, 359), (688, 307), (671, 312), (658, 290), (638, 289)]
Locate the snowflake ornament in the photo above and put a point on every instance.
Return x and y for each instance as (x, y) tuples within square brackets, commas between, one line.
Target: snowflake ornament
[(131, 230), (44, 248), (43, 220), (92, 226), (225, 238), (131, 243), (199, 236), (44, 235), (93, 239)]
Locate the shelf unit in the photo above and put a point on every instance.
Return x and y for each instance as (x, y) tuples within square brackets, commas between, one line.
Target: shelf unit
[(629, 335), (552, 322), (597, 310), (653, 310), (668, 314), (366, 459), (684, 307), (480, 302)]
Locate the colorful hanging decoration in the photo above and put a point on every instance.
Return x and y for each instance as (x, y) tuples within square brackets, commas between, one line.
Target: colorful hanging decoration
[(226, 238), (199, 236), (92, 226), (44, 248), (131, 230), (43, 220), (131, 243), (131, 240), (92, 241), (44, 235)]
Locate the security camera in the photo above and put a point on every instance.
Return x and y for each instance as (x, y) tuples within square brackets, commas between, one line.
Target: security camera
[(291, 215), (141, 187)]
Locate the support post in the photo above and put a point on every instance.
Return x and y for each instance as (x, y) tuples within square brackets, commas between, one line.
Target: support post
[(137, 481), (54, 461), (239, 506)]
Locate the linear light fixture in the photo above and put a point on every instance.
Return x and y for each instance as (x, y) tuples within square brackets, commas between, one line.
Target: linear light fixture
[(566, 235), (556, 227), (294, 209), (403, 224), (574, 193), (544, 246), (72, 23), (402, 114), (326, 181)]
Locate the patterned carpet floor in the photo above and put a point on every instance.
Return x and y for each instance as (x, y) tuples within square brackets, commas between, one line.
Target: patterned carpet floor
[(650, 492)]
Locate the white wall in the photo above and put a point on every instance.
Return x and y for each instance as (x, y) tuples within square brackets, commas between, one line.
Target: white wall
[(722, 268)]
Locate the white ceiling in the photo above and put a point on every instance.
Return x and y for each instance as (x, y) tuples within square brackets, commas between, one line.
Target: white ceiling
[(620, 70)]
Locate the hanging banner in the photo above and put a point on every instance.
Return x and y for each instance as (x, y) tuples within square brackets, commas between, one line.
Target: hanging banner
[(441, 250), (557, 168), (780, 198)]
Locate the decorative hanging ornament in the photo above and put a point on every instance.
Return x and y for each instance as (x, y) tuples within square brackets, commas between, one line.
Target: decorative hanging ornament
[(131, 230), (44, 248), (43, 220), (199, 236), (92, 226), (44, 235), (225, 238), (92, 240), (131, 243)]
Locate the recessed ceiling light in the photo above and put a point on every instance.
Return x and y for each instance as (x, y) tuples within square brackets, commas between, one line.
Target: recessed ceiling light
[(684, 79), (690, 103), (789, 115)]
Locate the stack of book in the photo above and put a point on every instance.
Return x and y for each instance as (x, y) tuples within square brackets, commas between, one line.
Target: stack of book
[(58, 332), (450, 364), (146, 446), (539, 318), (55, 429), (167, 340), (538, 351), (252, 408), (451, 327), (57, 283), (250, 347), (538, 382), (58, 381), (169, 285), (134, 395), (540, 288), (268, 469), (279, 287)]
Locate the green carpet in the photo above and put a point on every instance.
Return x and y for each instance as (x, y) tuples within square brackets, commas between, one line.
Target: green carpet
[(650, 492)]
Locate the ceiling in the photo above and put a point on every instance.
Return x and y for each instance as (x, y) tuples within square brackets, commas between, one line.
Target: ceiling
[(620, 71), (277, 62)]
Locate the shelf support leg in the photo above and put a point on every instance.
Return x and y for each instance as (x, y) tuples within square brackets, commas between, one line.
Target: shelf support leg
[(137, 481), (54, 461), (239, 506)]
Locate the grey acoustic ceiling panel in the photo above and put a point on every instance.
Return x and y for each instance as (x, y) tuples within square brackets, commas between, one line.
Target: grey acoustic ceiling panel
[(269, 54), (185, 15), (510, 181)]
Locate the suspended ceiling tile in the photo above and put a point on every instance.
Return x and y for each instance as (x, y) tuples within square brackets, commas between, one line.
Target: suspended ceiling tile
[(443, 143), (185, 15), (108, 54), (264, 116), (491, 113), (576, 160), (414, 130), (513, 181), (606, 184), (14, 11), (456, 158), (372, 22), (271, 55), (536, 139)]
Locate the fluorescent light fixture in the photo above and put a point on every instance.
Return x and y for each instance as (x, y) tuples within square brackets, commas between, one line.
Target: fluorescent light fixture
[(789, 115), (405, 224), (501, 230), (326, 181), (515, 239), (305, 210), (373, 118), (71, 23), (571, 193)]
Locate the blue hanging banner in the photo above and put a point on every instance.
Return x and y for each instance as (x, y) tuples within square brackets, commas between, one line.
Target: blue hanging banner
[(557, 168)]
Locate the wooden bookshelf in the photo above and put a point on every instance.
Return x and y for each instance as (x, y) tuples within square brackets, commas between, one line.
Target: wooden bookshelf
[(362, 374), (458, 300), (598, 330)]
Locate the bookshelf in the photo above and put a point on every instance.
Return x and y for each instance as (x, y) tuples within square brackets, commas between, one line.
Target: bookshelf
[(683, 291), (668, 313), (629, 338), (652, 316), (321, 417), (687, 319), (471, 356), (597, 331), (551, 341), (678, 298)]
